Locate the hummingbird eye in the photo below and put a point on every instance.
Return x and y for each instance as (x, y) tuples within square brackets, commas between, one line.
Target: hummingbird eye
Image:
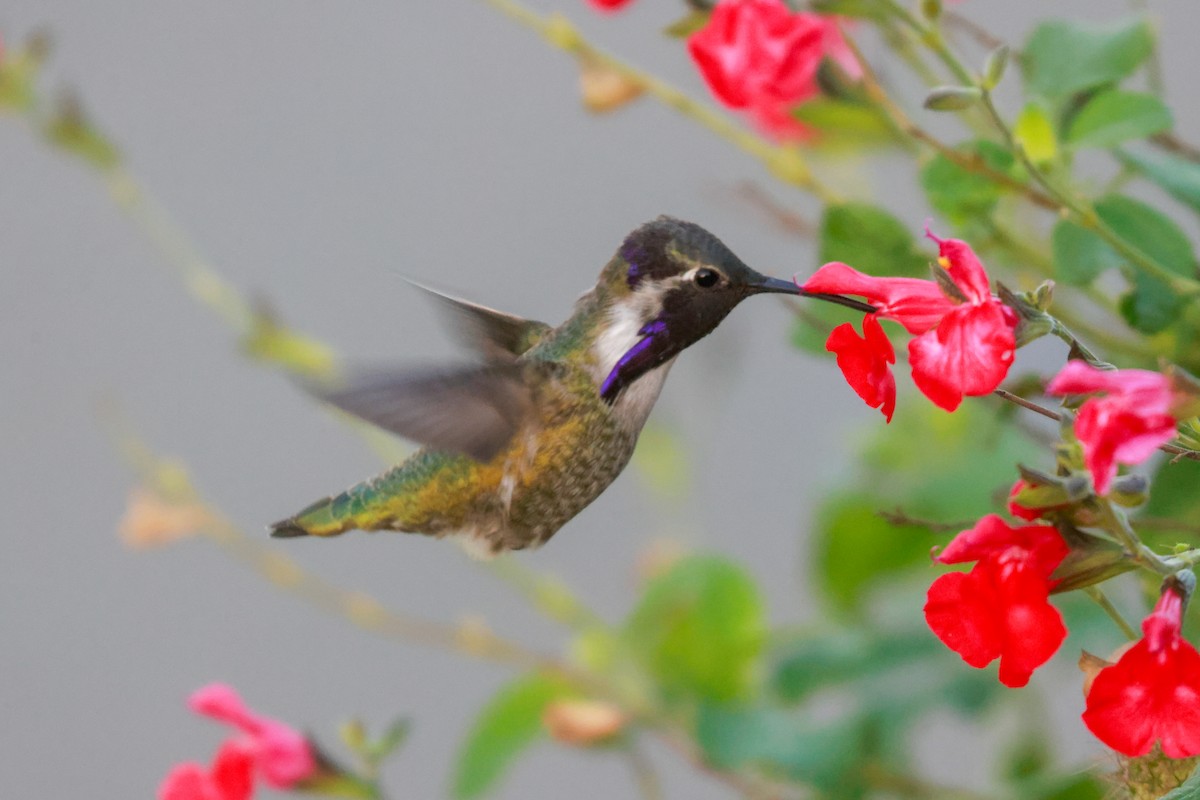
[(706, 278)]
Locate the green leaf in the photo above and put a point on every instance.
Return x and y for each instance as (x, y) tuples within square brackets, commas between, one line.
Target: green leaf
[(845, 124), (856, 547), (814, 662), (1178, 176), (684, 27), (871, 240), (1173, 492), (1062, 58), (700, 629), (959, 193), (862, 9), (1113, 117), (1035, 133), (1079, 254), (782, 741), (1151, 305), (508, 724), (935, 465), (1190, 790)]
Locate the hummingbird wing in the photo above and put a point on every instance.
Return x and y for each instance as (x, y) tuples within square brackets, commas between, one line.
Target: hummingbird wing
[(495, 335), (473, 410)]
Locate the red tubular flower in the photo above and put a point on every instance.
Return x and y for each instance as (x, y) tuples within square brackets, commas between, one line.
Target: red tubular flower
[(231, 777), (283, 756), (866, 363), (758, 56), (1152, 693), (1000, 609), (609, 5), (964, 344), (1124, 427)]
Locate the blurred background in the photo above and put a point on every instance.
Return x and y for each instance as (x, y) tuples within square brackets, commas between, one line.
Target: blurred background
[(318, 153)]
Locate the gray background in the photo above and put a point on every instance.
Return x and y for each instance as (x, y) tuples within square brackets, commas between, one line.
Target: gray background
[(316, 151)]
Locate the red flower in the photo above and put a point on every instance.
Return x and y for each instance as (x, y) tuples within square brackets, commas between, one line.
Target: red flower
[(1124, 427), (865, 363), (1152, 693), (758, 56), (231, 777), (1000, 609), (283, 756), (965, 341), (609, 5)]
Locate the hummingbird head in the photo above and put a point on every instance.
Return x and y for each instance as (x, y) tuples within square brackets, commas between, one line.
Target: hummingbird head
[(671, 284)]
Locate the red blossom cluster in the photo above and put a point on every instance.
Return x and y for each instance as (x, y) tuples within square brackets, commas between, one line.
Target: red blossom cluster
[(761, 57), (282, 757), (964, 336), (1138, 414)]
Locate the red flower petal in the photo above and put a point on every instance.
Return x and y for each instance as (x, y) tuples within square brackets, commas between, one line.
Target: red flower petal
[(997, 611), (916, 304), (1152, 693), (865, 363), (231, 777), (1125, 427), (1040, 547), (965, 268), (757, 52), (609, 5), (969, 353), (284, 755)]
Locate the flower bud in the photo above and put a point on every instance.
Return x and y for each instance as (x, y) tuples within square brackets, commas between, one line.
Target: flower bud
[(993, 68), (604, 89), (583, 722), (952, 98)]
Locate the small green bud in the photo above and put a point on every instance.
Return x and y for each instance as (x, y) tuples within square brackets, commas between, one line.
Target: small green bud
[(1032, 329), (931, 9), (952, 98), (993, 68), (1130, 491)]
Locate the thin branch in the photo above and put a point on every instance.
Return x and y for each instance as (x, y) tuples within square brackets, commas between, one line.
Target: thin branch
[(644, 774), (1100, 599), (970, 162)]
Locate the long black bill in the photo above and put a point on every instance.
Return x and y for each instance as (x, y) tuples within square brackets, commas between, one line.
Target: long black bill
[(776, 286)]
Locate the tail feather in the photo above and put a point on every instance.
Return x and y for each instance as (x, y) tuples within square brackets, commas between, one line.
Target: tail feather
[(322, 518)]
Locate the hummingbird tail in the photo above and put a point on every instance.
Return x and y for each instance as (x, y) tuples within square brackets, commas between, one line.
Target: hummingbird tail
[(318, 519)]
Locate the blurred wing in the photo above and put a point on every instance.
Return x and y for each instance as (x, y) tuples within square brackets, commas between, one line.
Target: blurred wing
[(494, 334), (472, 410)]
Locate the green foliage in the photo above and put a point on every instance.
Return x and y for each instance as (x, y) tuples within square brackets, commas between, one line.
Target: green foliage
[(1112, 117), (506, 726), (857, 546), (1190, 790), (845, 124), (1152, 304), (1079, 254), (784, 744), (699, 629), (1062, 58), (933, 465), (959, 193), (871, 240), (1178, 176), (1034, 131), (1173, 492)]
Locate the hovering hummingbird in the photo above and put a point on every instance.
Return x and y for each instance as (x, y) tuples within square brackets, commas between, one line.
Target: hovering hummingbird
[(517, 445)]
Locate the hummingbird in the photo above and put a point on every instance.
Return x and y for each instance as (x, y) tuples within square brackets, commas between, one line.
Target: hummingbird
[(516, 445)]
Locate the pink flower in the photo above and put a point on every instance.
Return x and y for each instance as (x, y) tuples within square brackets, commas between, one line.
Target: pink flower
[(965, 341), (609, 5), (1152, 693), (1127, 425), (1000, 609), (759, 56), (866, 363), (282, 755), (230, 778)]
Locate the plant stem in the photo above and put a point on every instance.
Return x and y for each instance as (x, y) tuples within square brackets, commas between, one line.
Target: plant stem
[(786, 163), (644, 774), (1102, 600), (933, 39)]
